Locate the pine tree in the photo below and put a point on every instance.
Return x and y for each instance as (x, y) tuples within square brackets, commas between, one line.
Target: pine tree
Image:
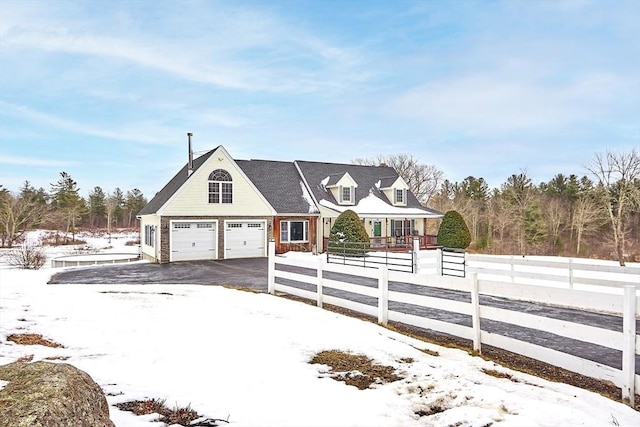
[(97, 206), (66, 197)]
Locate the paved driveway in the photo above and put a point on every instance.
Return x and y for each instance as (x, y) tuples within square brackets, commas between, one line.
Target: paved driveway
[(247, 272)]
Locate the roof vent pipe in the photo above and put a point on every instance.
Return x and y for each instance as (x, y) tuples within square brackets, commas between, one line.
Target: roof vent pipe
[(190, 164)]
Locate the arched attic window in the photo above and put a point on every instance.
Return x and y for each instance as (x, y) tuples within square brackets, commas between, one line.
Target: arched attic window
[(220, 187)]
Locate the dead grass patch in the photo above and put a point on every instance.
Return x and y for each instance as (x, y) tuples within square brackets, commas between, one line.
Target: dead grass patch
[(244, 288), (355, 370), (498, 374), (429, 352), (26, 359), (181, 416), (33, 339), (57, 358)]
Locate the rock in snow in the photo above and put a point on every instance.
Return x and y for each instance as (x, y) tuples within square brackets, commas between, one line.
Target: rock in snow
[(45, 394)]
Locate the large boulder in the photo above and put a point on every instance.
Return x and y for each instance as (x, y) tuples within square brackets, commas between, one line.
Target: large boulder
[(45, 394)]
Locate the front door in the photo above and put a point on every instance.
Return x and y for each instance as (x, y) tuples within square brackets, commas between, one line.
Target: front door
[(377, 229)]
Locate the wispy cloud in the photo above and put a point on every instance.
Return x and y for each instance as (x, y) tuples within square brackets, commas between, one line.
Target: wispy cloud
[(497, 103), (30, 161), (243, 49), (143, 132)]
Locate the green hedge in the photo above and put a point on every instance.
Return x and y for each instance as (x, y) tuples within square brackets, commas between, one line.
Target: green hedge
[(348, 235), (453, 232)]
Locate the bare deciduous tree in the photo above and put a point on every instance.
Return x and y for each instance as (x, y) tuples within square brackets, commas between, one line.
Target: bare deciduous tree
[(17, 215), (618, 173), (423, 180), (112, 204), (555, 212), (587, 217)]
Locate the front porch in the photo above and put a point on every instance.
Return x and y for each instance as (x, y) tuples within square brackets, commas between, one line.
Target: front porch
[(399, 243)]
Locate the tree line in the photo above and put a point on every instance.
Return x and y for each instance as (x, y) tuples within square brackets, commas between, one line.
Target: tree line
[(593, 215), (64, 209)]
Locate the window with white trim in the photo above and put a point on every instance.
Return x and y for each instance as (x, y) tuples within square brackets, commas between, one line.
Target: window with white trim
[(294, 231), (403, 227), (220, 187), (400, 196), (149, 235), (347, 195)]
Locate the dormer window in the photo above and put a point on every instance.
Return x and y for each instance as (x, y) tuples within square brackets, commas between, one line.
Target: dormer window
[(220, 187), (400, 196), (346, 195)]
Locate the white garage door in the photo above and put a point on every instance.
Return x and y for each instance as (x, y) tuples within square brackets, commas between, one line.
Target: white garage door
[(193, 240), (244, 239)]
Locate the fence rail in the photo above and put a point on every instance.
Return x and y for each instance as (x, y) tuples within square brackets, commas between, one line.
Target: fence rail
[(483, 311), (363, 255)]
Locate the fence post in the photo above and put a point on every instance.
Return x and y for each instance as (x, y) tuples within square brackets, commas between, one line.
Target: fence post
[(475, 313), (416, 250), (513, 269), (383, 296), (629, 344), (464, 264), (570, 273), (319, 281), (439, 262), (271, 269)]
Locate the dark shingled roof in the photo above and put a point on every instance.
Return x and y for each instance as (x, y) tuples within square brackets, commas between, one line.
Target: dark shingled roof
[(388, 181), (365, 176), (172, 186), (279, 183)]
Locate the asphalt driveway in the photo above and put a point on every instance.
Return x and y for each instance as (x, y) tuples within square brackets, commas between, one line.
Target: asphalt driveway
[(246, 272)]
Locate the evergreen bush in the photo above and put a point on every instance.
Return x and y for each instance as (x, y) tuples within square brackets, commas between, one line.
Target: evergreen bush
[(348, 235), (453, 232)]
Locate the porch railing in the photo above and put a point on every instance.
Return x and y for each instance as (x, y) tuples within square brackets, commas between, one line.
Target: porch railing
[(398, 243)]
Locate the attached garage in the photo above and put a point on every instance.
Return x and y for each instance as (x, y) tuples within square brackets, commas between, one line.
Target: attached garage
[(245, 239), (193, 240)]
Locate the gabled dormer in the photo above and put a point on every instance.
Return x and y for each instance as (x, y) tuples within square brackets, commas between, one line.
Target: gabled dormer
[(342, 187), (395, 188)]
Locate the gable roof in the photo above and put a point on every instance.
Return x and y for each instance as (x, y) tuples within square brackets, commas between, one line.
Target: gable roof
[(174, 185), (369, 180), (280, 184), (286, 185)]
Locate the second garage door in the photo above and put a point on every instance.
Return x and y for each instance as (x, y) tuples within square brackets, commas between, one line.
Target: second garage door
[(244, 239)]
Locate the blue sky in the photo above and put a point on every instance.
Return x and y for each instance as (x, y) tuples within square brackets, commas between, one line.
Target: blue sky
[(107, 91)]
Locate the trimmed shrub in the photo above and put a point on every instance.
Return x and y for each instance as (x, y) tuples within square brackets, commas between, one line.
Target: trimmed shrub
[(348, 235), (453, 232)]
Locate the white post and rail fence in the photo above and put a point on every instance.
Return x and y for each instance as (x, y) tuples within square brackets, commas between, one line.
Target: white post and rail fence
[(385, 294)]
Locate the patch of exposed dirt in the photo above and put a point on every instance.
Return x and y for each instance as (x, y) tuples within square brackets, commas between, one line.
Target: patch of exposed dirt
[(33, 339), (136, 292), (356, 370)]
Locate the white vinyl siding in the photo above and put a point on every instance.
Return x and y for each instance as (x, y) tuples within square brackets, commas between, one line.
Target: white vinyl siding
[(192, 199)]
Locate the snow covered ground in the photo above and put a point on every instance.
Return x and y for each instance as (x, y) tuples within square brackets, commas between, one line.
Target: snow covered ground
[(245, 356)]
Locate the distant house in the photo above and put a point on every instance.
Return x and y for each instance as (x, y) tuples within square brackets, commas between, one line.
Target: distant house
[(217, 207)]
